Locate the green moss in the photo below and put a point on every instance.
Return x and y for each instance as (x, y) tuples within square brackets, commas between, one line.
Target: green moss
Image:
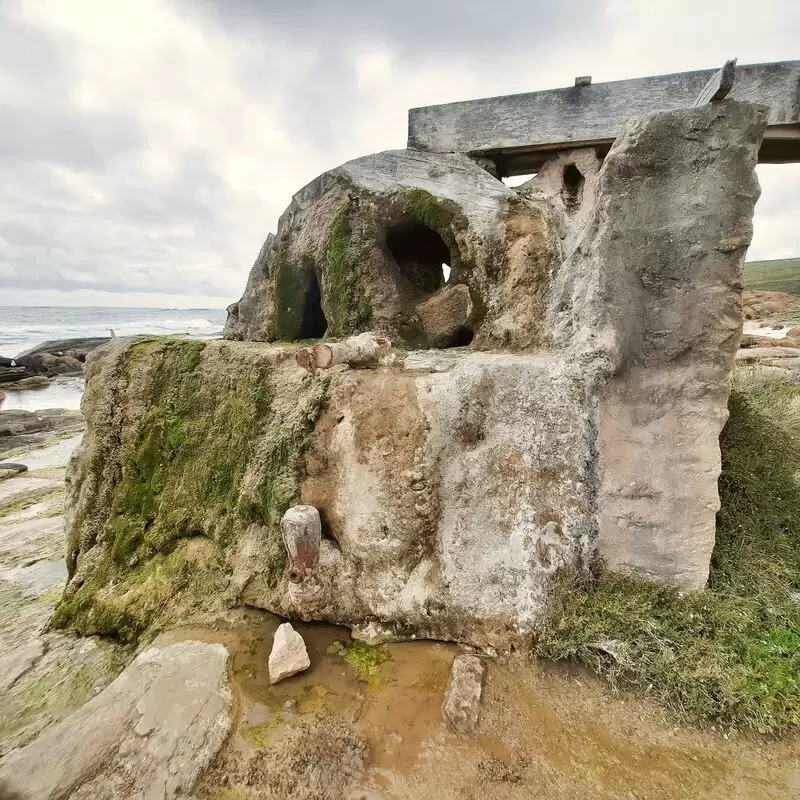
[(213, 453), (293, 284), (366, 661), (191, 454), (729, 654), (259, 736), (347, 308)]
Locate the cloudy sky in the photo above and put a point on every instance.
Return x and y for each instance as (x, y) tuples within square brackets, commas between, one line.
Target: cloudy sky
[(148, 146)]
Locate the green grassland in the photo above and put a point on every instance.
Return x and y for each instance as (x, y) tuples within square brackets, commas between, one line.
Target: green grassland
[(782, 275)]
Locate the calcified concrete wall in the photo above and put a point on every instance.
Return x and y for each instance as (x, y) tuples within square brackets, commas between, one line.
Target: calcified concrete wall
[(453, 485), (651, 298)]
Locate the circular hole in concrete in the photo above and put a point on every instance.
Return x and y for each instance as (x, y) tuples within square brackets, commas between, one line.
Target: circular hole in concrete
[(421, 255)]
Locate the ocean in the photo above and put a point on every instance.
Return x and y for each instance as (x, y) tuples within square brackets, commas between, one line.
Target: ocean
[(22, 328)]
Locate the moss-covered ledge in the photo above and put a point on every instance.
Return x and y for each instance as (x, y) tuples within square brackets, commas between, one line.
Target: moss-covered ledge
[(188, 446)]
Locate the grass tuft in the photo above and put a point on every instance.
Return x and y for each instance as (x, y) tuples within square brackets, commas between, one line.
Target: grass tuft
[(729, 654)]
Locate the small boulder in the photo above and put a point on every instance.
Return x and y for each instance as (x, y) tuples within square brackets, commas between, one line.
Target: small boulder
[(8, 469), (462, 701), (289, 655)]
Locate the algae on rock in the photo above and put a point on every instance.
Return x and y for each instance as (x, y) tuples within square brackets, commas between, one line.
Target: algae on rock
[(187, 448)]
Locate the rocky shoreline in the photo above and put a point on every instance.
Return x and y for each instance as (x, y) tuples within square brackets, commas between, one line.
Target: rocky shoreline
[(33, 369)]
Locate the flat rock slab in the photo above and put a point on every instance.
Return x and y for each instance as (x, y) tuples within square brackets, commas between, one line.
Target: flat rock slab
[(16, 663), (753, 353), (462, 701), (19, 489), (25, 540), (148, 735), (35, 579)]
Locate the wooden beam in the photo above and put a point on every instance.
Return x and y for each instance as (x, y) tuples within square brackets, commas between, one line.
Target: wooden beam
[(719, 84), (523, 130)]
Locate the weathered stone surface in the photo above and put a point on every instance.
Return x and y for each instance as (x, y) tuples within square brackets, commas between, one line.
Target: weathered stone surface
[(8, 469), (445, 317), (651, 304), (453, 489), (362, 248), (522, 131), (148, 735), (25, 488), (760, 353), (462, 700), (446, 512), (16, 663), (77, 348), (24, 429), (288, 655), (569, 182)]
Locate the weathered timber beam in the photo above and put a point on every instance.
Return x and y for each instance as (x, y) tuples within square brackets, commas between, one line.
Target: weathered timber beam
[(719, 84), (519, 132)]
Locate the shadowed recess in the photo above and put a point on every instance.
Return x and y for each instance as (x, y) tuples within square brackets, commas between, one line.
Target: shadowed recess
[(420, 254)]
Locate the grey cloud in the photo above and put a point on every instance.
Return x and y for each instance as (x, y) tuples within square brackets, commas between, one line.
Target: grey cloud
[(78, 209), (415, 27)]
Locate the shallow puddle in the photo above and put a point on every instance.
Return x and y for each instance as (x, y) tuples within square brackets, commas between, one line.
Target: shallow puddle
[(548, 733)]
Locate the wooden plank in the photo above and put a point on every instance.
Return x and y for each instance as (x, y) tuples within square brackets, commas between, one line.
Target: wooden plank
[(525, 129), (719, 85)]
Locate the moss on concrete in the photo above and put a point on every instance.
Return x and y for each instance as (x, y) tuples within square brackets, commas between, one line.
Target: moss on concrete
[(729, 654), (347, 308), (215, 448)]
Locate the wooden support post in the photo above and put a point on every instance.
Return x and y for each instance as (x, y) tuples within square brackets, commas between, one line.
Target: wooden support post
[(301, 528)]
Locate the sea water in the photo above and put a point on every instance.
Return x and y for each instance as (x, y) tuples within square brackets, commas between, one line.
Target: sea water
[(22, 328)]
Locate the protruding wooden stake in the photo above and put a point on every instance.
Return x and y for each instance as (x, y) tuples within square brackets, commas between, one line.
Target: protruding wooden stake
[(302, 532)]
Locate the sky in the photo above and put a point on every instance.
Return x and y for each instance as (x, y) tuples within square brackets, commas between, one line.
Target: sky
[(147, 147)]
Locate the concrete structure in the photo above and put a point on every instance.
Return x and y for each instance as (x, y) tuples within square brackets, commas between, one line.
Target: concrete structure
[(521, 132)]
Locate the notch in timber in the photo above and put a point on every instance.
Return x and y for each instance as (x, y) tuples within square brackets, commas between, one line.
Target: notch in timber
[(719, 84)]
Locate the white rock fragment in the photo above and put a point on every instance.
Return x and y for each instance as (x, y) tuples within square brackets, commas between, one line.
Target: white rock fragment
[(289, 655), (462, 700)]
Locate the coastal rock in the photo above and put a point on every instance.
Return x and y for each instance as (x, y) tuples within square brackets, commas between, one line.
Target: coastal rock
[(150, 733), (363, 246), (74, 348), (16, 663), (8, 469), (19, 429), (462, 701), (288, 655), (34, 382), (455, 489)]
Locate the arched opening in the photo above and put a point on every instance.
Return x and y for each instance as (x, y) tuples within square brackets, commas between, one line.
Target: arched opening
[(421, 255), (313, 323), (572, 192)]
